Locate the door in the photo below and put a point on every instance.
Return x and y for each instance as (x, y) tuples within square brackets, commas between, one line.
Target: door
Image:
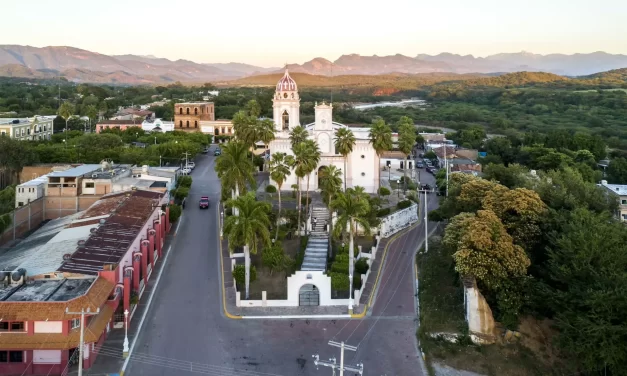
[(309, 296)]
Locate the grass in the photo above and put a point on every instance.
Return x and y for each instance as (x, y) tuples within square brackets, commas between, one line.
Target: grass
[(442, 311)]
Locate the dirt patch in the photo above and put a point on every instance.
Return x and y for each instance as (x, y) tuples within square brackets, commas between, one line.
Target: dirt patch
[(273, 283)]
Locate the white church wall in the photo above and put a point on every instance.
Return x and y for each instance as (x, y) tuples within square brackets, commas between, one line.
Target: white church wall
[(362, 171)]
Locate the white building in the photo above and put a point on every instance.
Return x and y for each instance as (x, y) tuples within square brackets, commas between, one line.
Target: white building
[(157, 125), (30, 191), (362, 163), (620, 190), (35, 128)]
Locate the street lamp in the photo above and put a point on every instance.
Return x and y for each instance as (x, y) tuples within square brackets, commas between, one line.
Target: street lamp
[(126, 349), (221, 223), (398, 187), (64, 143)]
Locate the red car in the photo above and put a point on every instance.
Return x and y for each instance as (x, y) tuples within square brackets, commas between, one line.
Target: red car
[(204, 202)]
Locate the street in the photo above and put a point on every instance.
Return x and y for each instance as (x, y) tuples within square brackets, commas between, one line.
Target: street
[(185, 332)]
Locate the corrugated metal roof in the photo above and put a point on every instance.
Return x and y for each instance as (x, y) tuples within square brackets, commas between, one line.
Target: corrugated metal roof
[(76, 171)]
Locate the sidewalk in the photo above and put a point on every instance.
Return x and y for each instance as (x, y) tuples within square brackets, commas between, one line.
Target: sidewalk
[(109, 361)]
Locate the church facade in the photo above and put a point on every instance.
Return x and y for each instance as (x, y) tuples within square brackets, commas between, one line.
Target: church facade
[(362, 164)]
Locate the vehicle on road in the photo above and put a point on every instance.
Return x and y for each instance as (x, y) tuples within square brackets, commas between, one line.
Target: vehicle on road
[(191, 165), (431, 170), (427, 188), (186, 171), (205, 150), (420, 165), (204, 202), (217, 152)]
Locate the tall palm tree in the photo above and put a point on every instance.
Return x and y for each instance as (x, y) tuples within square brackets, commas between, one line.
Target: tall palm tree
[(352, 211), (66, 111), (381, 140), (234, 168), (312, 156), (92, 114), (280, 168), (264, 132), (302, 167), (298, 135), (249, 228), (406, 140), (344, 143), (330, 184)]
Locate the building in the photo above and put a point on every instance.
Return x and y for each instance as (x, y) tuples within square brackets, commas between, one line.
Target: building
[(119, 124), (217, 127), (187, 116), (32, 172), (35, 128), (362, 164), (98, 259), (30, 191), (620, 191), (133, 114), (157, 125)]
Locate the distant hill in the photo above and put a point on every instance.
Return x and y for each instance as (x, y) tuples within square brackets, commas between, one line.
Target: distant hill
[(615, 76), (87, 66)]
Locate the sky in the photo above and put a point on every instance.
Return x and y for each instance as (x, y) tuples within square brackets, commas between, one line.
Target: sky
[(272, 32)]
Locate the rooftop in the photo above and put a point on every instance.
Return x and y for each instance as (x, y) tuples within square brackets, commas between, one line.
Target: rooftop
[(43, 179), (109, 242), (619, 189), (75, 171), (192, 103), (120, 122)]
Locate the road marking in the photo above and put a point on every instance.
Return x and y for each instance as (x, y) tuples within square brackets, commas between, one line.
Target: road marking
[(148, 303), (303, 317), (176, 230), (226, 312)]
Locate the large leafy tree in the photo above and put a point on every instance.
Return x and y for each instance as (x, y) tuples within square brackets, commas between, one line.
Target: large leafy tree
[(352, 211), (406, 140), (297, 135), (234, 168), (381, 139), (586, 284), (280, 168), (249, 229), (344, 143), (331, 185)]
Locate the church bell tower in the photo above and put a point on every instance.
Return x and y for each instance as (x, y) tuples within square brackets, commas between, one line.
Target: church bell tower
[(286, 105)]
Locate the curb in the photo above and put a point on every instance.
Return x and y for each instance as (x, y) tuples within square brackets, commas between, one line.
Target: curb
[(224, 309)]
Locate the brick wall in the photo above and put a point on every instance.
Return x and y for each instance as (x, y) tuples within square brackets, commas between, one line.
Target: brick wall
[(58, 206)]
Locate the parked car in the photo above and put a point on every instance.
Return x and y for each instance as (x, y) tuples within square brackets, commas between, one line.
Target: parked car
[(217, 152), (420, 165), (430, 170), (204, 202), (191, 165), (186, 171), (205, 150)]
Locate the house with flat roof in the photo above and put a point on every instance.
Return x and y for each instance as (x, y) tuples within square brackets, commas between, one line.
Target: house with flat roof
[(97, 259), (30, 191)]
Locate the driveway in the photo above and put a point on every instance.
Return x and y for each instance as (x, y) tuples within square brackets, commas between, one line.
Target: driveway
[(185, 332)]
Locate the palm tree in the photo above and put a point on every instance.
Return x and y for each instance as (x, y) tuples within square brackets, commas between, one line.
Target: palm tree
[(298, 135), (249, 228), (66, 111), (92, 114), (381, 140), (406, 140), (280, 168), (234, 168), (344, 143), (264, 132), (330, 184), (302, 167), (352, 211), (312, 156)]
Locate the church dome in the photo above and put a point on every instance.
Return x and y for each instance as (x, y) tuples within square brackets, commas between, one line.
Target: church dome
[(286, 83)]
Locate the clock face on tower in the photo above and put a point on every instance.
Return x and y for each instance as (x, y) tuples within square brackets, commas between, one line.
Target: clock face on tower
[(285, 95)]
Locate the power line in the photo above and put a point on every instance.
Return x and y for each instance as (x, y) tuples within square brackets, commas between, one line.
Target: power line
[(359, 368), (83, 312)]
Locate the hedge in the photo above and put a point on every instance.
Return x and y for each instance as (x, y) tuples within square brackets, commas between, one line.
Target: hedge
[(404, 204)]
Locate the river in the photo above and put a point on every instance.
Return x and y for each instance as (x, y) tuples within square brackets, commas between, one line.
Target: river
[(402, 103)]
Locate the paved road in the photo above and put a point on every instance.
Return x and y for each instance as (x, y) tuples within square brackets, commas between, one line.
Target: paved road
[(186, 334)]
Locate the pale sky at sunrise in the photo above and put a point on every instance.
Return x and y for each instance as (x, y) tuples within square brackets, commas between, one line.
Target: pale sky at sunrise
[(272, 32)]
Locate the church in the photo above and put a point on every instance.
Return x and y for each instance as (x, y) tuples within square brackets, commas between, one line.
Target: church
[(362, 164)]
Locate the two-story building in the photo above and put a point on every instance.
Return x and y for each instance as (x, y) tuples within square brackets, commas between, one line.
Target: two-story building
[(620, 191), (187, 116), (97, 260), (35, 128)]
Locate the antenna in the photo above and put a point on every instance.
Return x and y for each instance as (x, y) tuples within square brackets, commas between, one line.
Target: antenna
[(331, 85)]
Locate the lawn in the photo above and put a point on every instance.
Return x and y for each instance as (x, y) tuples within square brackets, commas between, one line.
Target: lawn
[(442, 311)]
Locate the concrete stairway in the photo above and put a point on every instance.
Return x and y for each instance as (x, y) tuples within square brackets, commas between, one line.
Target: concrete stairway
[(318, 244)]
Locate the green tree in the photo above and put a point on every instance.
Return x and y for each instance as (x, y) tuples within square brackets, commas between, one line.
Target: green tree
[(280, 168), (92, 113), (352, 211), (234, 168), (617, 171), (344, 143), (297, 135), (330, 185), (274, 258), (248, 229), (406, 140), (66, 111), (381, 139), (306, 158)]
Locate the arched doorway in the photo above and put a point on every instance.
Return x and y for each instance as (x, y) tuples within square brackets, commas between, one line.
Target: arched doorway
[(309, 295), (321, 172), (286, 120)]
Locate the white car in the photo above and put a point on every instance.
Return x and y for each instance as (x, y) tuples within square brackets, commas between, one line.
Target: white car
[(191, 165), (186, 171)]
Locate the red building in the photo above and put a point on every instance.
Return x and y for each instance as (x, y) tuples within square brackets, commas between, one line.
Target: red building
[(120, 124), (98, 259)]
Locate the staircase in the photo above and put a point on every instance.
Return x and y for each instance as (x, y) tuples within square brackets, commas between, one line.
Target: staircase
[(318, 243)]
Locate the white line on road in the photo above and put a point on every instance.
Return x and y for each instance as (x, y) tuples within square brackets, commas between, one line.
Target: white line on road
[(176, 230), (152, 294)]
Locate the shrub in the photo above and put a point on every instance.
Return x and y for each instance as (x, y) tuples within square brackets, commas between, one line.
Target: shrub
[(304, 201), (181, 193), (357, 281), (412, 186), (361, 266), (339, 281), (384, 191), (383, 212), (270, 188), (184, 181), (403, 204), (175, 212), (239, 273), (340, 265)]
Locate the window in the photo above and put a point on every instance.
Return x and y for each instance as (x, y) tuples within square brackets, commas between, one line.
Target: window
[(20, 203), (89, 185), (187, 110), (16, 356), (196, 111), (4, 133), (181, 123), (623, 202), (75, 323), (4, 356), (4, 326), (17, 326), (195, 124), (187, 122), (180, 111)]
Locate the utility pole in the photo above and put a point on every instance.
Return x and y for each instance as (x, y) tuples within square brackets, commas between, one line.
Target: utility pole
[(446, 166), (83, 312), (425, 191), (359, 368), (186, 154)]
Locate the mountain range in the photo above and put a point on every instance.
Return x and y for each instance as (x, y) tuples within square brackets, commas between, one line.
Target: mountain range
[(79, 65)]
